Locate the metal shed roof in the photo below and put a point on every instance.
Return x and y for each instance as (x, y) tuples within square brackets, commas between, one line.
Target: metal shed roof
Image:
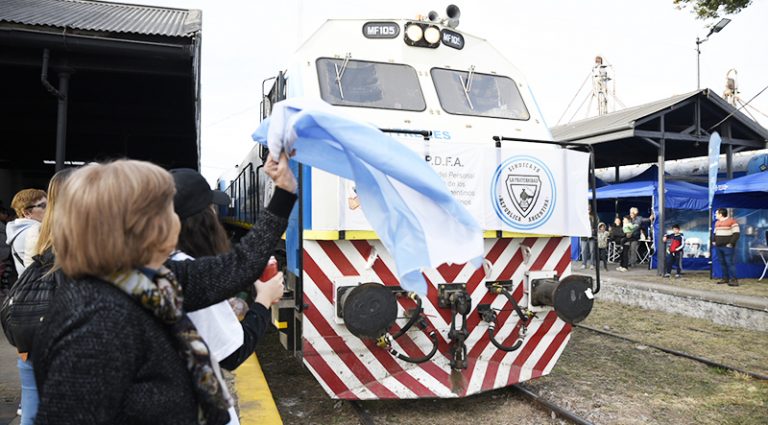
[(103, 16), (124, 81), (615, 121), (684, 122)]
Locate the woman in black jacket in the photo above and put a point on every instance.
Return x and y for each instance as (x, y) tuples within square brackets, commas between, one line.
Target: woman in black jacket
[(617, 231), (230, 337), (117, 346), (28, 313)]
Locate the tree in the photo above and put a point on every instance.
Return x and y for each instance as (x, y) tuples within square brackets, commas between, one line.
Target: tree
[(710, 9)]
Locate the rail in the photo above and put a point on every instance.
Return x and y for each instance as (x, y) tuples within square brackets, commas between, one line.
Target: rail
[(703, 360), (563, 412), (366, 419)]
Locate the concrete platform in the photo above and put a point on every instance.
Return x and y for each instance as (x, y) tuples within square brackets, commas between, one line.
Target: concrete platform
[(693, 295), (10, 392)]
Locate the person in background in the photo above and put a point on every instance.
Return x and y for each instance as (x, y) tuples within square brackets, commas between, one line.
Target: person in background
[(30, 207), (7, 268), (602, 245), (626, 242), (231, 341), (39, 255), (674, 251), (639, 223), (726, 234), (617, 231), (588, 256), (117, 345), (5, 249)]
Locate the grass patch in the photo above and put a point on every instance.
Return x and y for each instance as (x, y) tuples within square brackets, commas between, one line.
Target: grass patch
[(619, 382), (743, 348)]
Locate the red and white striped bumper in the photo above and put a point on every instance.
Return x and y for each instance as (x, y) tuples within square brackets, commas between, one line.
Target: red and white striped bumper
[(351, 368)]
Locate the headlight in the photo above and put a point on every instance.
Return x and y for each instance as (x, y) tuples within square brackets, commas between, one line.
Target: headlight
[(432, 35), (414, 33), (419, 34)]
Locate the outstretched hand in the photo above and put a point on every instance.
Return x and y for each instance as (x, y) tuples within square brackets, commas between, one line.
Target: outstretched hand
[(281, 173)]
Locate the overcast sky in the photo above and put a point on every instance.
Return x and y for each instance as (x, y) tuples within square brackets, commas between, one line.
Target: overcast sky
[(650, 45)]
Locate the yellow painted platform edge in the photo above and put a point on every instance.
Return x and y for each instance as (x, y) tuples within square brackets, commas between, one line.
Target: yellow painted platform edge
[(257, 407), (491, 234), (332, 235), (243, 224)]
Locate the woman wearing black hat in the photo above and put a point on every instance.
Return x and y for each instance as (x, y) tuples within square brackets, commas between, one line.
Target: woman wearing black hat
[(230, 338), (202, 235)]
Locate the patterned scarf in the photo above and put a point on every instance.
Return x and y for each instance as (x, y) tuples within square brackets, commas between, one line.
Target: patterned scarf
[(162, 296)]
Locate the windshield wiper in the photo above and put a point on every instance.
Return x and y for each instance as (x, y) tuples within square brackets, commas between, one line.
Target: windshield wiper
[(467, 85), (340, 73)]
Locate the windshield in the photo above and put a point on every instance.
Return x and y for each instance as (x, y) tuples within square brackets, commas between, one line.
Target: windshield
[(482, 95), (347, 82)]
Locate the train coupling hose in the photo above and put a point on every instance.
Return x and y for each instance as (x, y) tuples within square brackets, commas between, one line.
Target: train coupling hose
[(385, 342), (489, 315)]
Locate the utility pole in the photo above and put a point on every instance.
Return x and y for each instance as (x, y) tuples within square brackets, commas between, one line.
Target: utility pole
[(715, 29)]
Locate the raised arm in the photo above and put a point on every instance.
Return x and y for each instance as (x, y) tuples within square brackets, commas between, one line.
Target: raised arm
[(209, 280), (213, 279)]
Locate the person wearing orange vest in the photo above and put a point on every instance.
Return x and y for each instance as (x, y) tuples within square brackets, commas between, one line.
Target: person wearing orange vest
[(726, 234)]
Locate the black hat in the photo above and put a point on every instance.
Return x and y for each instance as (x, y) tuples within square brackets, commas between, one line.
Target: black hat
[(193, 193)]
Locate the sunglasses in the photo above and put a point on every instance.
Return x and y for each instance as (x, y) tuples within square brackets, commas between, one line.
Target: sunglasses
[(42, 205)]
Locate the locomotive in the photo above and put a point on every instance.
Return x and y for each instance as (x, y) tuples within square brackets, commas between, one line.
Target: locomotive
[(453, 98)]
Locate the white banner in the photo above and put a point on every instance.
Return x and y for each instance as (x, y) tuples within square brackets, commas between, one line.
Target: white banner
[(462, 169), (524, 190), (538, 191)]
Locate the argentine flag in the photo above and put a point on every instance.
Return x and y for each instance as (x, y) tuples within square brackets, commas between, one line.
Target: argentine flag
[(408, 205)]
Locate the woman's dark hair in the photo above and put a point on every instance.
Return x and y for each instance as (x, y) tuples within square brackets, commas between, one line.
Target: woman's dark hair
[(202, 235)]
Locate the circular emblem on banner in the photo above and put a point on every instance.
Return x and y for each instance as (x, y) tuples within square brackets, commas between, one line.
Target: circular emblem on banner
[(523, 192)]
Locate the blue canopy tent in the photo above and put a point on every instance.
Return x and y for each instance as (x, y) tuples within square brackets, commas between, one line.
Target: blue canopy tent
[(749, 194), (750, 191), (679, 195)]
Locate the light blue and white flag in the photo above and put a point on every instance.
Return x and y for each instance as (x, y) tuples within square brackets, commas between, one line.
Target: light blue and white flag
[(714, 164), (405, 201)]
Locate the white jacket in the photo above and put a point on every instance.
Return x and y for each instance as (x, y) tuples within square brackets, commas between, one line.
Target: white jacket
[(18, 229)]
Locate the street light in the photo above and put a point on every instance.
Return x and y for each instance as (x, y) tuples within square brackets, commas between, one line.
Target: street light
[(715, 29)]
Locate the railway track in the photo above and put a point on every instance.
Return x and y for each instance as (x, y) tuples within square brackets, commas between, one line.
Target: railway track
[(552, 407), (366, 419), (703, 360), (363, 415)]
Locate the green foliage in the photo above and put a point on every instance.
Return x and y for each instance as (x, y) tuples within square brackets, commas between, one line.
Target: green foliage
[(710, 9)]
